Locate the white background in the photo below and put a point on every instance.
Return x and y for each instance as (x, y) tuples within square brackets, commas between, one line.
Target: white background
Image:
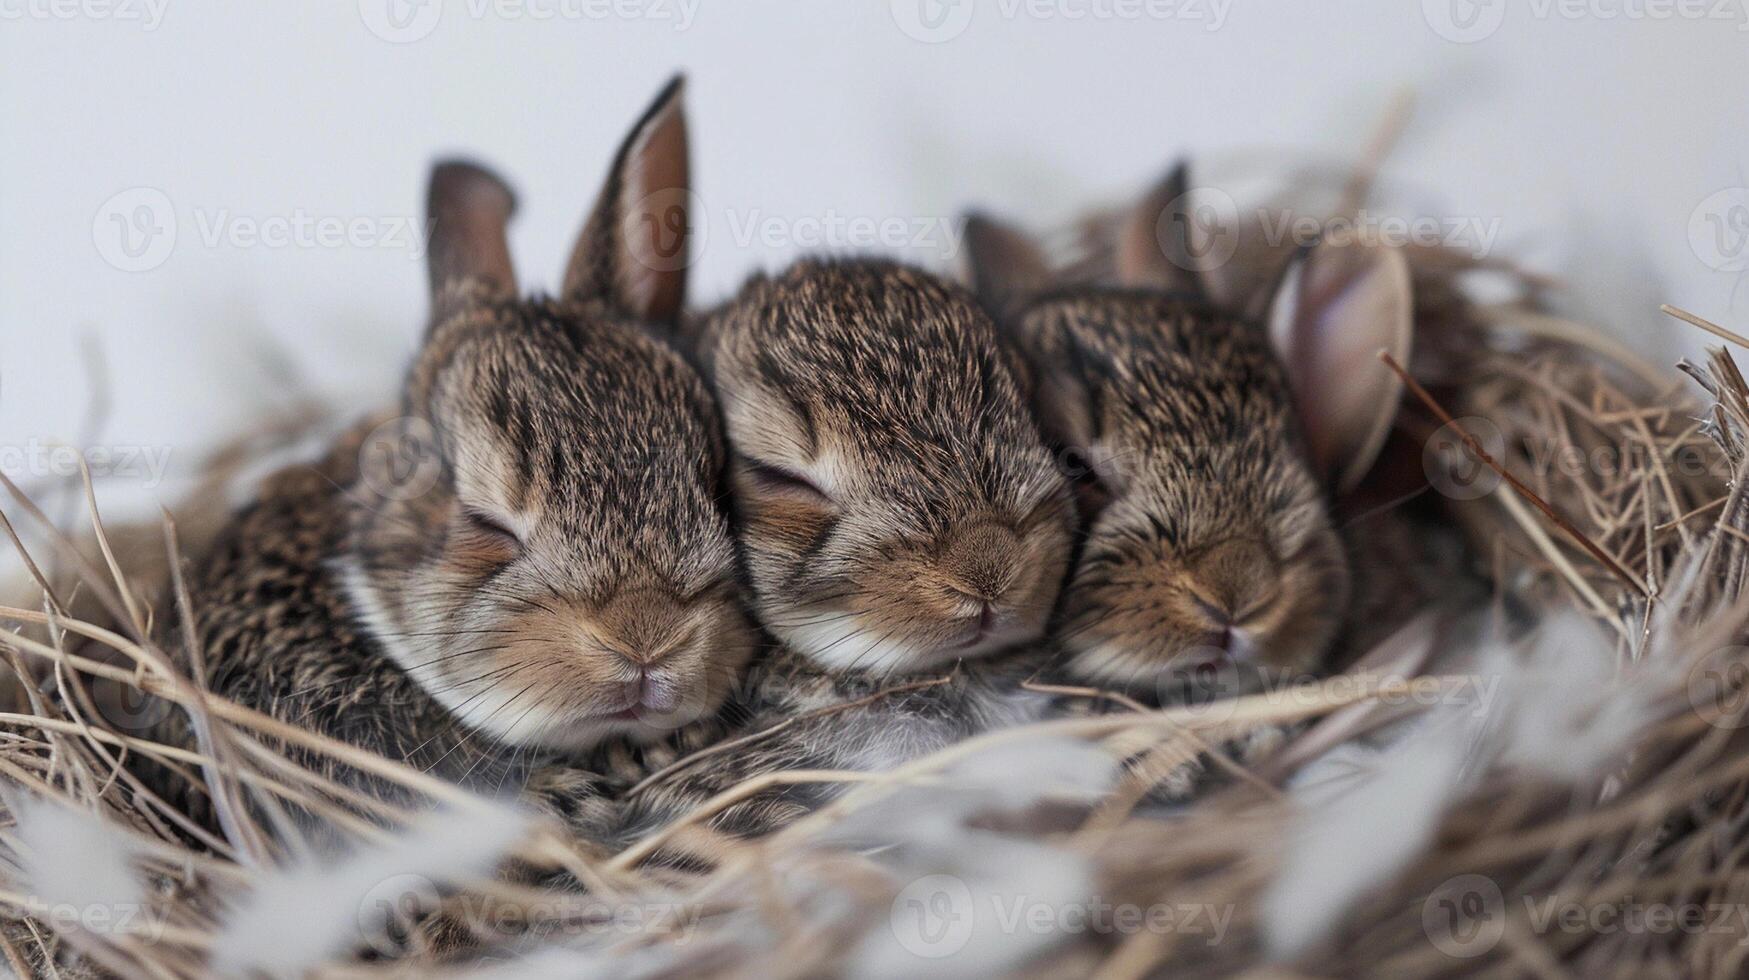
[(1587, 133)]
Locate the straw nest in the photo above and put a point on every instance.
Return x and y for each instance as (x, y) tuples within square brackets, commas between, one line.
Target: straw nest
[(1549, 779)]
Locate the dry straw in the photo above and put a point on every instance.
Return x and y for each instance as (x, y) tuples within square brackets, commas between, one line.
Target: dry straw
[(1625, 509)]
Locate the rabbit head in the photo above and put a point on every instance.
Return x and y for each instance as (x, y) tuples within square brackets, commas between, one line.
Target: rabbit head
[(898, 506), (1206, 444), (544, 549)]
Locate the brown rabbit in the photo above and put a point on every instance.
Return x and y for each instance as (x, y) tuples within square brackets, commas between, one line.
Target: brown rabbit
[(1209, 445), (901, 520), (534, 557)]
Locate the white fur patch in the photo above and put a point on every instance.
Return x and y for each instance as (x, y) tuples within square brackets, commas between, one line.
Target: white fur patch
[(300, 917), (844, 643), (480, 706), (71, 862)]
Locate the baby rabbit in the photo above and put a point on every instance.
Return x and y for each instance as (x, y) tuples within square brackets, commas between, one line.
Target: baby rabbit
[(1208, 445), (899, 510), (901, 520), (535, 556)]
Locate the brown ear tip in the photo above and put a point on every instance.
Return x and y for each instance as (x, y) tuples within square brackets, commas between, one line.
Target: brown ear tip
[(671, 100), (977, 221), (1178, 178), (463, 182)]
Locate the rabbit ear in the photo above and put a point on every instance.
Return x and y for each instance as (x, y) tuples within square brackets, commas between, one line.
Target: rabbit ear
[(1003, 263), (1336, 307), (1060, 396), (1006, 266), (634, 249), (1163, 242), (467, 208)]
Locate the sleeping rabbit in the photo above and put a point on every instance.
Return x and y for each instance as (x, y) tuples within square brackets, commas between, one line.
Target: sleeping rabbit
[(904, 528), (534, 556), (1208, 446)]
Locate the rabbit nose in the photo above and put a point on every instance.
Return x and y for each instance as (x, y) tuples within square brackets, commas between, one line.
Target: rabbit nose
[(1234, 643), (645, 626), (650, 690), (647, 658), (658, 693), (1217, 615), (1231, 577), (982, 561)]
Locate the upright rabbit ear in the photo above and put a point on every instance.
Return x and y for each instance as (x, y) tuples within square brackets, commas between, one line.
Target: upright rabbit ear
[(1003, 263), (1164, 241), (1336, 307), (1006, 266), (634, 250), (467, 209)]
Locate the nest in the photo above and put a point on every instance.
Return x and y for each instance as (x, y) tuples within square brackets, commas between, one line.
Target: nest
[(1551, 780)]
